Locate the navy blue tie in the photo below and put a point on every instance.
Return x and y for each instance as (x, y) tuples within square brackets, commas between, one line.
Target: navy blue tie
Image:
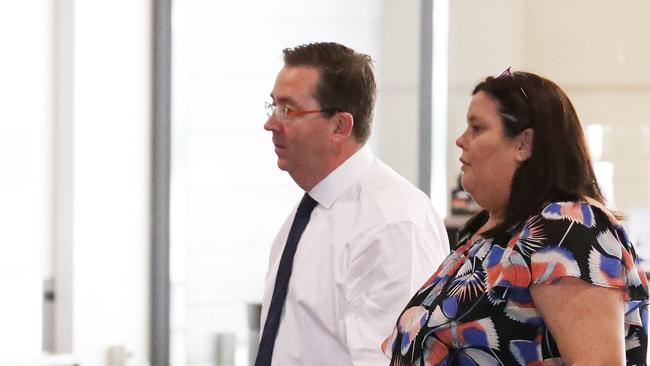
[(265, 351)]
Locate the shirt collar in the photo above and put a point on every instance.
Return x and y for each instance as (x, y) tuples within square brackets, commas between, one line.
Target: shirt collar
[(328, 190)]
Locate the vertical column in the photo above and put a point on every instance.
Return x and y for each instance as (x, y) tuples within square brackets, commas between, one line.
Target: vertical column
[(62, 174), (160, 294)]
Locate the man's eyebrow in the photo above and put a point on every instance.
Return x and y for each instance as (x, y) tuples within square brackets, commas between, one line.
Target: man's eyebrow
[(284, 100)]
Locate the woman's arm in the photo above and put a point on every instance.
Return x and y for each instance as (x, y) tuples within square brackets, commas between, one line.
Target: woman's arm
[(585, 320)]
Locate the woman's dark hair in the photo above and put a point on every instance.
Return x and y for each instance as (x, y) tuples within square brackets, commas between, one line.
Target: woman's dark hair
[(346, 84), (559, 168)]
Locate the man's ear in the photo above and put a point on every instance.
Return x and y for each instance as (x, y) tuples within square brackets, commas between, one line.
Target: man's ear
[(344, 123), (525, 144)]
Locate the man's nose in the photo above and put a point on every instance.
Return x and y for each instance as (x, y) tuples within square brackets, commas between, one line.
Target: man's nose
[(272, 124)]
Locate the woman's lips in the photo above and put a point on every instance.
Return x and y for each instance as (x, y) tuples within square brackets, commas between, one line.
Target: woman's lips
[(465, 164)]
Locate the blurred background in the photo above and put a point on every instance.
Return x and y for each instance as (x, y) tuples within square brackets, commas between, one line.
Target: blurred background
[(139, 193)]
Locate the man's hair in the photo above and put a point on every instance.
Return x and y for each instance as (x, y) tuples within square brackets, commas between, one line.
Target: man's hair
[(559, 168), (346, 82)]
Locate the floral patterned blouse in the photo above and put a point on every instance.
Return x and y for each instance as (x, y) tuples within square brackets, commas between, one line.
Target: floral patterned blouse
[(476, 309)]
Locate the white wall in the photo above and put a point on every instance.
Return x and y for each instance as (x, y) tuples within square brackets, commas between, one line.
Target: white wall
[(75, 159), (111, 178), (25, 203), (397, 127), (600, 57)]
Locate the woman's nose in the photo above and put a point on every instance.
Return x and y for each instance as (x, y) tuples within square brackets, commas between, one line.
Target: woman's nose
[(460, 142)]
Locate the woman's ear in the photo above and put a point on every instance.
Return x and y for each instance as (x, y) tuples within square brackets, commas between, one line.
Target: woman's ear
[(525, 144)]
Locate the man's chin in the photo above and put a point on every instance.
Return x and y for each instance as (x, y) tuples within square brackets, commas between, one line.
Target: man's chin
[(282, 165)]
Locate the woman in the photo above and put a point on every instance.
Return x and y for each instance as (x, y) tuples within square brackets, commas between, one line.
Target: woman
[(545, 274)]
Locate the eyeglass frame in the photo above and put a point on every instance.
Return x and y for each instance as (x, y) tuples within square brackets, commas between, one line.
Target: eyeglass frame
[(271, 109), (508, 73)]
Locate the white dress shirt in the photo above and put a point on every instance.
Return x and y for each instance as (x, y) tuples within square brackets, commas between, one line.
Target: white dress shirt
[(371, 242)]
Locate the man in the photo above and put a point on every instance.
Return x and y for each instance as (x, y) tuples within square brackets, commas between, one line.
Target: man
[(372, 238)]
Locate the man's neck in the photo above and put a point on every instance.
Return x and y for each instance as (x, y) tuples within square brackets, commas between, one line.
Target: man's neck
[(308, 182)]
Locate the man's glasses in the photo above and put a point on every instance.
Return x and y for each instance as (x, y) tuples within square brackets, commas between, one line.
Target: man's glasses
[(508, 73), (283, 113)]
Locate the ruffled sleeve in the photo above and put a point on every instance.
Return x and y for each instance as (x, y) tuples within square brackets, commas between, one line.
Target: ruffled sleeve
[(584, 241), (567, 239)]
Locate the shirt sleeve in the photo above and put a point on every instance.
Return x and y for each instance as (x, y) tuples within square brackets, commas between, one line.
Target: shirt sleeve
[(383, 267)]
